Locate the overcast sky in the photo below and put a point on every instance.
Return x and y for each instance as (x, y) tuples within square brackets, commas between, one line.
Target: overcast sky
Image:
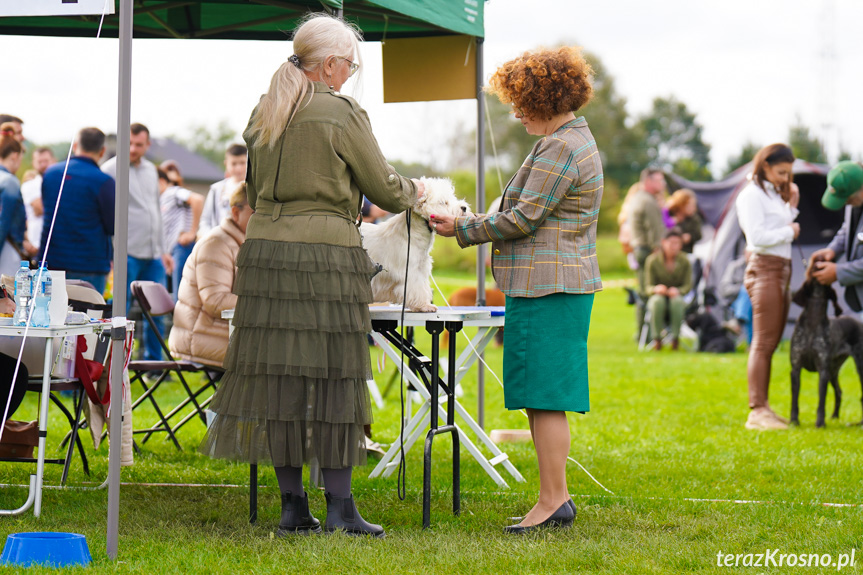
[(748, 69)]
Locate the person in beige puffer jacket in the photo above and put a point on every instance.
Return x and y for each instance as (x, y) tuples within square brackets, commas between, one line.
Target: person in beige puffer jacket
[(199, 333)]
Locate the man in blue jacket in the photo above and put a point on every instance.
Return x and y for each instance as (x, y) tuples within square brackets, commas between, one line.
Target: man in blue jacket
[(844, 190), (81, 243)]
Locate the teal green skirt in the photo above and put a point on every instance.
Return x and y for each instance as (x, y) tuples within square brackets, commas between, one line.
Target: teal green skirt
[(545, 352)]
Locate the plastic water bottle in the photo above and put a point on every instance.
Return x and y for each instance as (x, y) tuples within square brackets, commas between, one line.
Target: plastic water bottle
[(23, 293), (42, 286)]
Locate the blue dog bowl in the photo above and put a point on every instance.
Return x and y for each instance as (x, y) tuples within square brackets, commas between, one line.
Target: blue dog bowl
[(55, 549)]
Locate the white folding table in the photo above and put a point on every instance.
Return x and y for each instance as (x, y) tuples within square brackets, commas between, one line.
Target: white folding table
[(385, 320), (34, 495)]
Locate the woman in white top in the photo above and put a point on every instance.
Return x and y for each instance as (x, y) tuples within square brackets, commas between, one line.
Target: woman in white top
[(766, 210)]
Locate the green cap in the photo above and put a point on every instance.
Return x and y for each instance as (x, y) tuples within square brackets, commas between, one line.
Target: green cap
[(843, 181)]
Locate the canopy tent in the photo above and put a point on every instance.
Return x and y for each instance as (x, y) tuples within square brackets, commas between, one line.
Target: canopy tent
[(236, 20), (716, 200), (264, 19)]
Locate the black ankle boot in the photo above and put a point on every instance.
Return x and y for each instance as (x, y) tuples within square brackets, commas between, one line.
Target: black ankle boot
[(342, 515), (296, 517)]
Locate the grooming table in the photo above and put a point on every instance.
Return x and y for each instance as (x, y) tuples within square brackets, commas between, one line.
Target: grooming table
[(422, 373)]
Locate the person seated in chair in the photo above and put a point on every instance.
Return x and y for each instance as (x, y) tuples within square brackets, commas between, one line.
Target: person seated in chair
[(668, 277), (199, 333)]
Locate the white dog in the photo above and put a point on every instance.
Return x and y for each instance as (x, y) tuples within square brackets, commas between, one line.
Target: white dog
[(387, 242)]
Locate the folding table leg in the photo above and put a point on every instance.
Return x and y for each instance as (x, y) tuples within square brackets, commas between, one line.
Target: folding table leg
[(413, 430), (435, 328), (253, 493)]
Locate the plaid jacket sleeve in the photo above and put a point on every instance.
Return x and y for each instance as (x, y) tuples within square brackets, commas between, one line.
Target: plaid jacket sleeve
[(552, 170)]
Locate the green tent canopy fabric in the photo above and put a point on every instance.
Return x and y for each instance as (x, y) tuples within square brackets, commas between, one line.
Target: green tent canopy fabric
[(264, 19)]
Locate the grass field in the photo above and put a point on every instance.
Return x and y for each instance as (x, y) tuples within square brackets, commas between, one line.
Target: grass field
[(665, 435)]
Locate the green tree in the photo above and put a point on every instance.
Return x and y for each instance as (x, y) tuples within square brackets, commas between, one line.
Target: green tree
[(673, 138), (744, 157), (804, 145), (209, 143)]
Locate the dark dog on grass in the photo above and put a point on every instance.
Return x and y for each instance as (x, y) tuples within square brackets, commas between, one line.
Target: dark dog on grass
[(712, 337), (822, 345)]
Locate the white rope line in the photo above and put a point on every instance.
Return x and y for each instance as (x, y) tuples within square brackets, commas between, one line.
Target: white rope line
[(85, 487), (480, 358), (44, 255)]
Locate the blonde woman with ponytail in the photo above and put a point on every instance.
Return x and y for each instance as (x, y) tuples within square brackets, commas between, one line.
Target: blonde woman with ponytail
[(294, 389)]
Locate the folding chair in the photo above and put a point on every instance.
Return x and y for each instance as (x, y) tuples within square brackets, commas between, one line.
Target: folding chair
[(155, 300)]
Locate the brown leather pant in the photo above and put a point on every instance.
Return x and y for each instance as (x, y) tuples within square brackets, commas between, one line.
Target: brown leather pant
[(767, 282)]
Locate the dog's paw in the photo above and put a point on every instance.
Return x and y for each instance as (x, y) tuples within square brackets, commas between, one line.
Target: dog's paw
[(424, 308), (820, 423)]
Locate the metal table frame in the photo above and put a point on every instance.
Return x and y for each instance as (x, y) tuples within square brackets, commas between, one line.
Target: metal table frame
[(34, 494), (423, 374)]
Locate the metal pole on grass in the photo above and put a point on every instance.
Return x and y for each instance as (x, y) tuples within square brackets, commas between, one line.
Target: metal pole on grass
[(121, 224), (480, 208)]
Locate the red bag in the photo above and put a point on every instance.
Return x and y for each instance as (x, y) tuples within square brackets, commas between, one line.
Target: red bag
[(88, 372)]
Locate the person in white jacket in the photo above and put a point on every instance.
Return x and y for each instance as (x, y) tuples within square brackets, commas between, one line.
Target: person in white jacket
[(766, 210)]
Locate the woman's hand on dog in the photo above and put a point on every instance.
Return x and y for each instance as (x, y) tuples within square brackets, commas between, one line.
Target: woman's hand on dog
[(421, 187), (443, 225)]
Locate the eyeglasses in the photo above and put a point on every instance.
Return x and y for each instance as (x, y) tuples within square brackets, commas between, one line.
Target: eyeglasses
[(354, 66)]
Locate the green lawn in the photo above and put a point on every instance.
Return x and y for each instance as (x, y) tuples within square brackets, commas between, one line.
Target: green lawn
[(665, 435)]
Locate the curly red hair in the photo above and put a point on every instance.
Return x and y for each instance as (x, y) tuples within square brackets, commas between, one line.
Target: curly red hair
[(544, 83)]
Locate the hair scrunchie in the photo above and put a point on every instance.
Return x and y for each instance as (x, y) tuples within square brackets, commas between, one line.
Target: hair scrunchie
[(295, 60)]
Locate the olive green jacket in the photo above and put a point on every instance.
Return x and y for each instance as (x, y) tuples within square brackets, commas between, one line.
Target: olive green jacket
[(657, 274), (645, 221), (308, 187)]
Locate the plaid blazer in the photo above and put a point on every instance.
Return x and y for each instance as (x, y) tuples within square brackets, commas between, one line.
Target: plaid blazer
[(544, 236)]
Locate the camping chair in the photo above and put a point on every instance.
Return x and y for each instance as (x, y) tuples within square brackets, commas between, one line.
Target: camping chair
[(155, 300), (688, 338)]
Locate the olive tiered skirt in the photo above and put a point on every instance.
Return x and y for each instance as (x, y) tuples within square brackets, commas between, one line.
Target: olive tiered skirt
[(294, 389)]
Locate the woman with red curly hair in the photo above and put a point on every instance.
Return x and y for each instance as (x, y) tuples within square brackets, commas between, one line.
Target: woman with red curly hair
[(544, 260)]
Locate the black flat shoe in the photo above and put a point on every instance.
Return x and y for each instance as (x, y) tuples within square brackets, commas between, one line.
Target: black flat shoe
[(571, 505), (561, 518)]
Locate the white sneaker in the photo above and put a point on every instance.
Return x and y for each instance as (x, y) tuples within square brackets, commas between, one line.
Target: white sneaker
[(762, 419)]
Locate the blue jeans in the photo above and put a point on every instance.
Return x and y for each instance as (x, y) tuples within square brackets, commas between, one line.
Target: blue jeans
[(154, 271), (180, 255), (742, 309), (98, 280)]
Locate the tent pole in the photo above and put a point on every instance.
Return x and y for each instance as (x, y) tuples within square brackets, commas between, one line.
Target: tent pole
[(121, 224), (480, 208)]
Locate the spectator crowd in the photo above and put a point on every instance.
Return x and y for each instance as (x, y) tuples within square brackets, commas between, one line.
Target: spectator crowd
[(166, 223)]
